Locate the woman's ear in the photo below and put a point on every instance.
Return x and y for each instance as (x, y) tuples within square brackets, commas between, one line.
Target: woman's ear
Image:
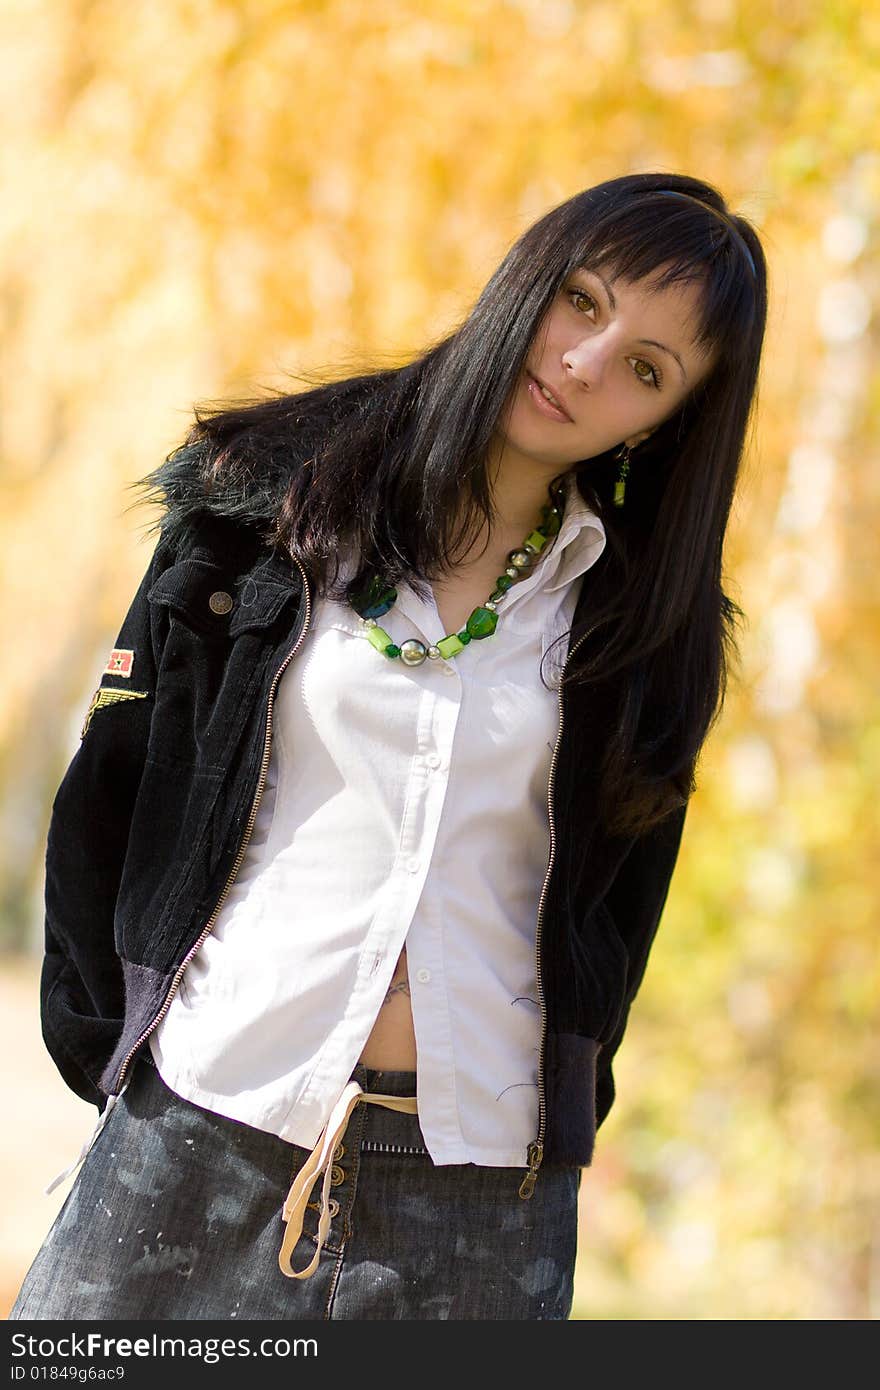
[(637, 439)]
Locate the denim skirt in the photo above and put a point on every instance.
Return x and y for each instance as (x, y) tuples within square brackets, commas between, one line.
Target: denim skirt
[(176, 1213)]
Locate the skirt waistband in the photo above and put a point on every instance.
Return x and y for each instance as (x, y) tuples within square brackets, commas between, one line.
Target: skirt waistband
[(390, 1083)]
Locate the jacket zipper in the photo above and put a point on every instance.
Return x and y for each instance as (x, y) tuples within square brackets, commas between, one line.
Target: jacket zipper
[(239, 858), (535, 1150)]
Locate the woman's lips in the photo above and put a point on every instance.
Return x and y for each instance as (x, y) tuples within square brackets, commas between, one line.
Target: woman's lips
[(546, 407)]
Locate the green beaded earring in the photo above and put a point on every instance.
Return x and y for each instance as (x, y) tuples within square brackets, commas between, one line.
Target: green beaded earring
[(620, 485)]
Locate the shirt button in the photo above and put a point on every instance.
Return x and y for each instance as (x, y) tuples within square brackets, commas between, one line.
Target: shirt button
[(413, 865), (449, 670), (423, 976), (433, 760)]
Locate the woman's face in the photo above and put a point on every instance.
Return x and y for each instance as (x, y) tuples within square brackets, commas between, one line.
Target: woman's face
[(591, 353)]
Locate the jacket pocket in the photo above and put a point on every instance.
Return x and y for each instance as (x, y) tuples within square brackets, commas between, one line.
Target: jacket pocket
[(167, 851), (216, 636), (208, 600), (197, 594)]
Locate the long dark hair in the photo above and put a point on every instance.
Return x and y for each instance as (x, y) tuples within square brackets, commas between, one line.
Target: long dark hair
[(383, 460)]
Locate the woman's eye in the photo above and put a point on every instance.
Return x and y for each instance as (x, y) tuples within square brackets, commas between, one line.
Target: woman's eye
[(655, 380), (581, 294)]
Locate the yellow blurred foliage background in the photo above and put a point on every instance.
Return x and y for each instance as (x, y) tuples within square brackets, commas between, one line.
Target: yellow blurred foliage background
[(203, 197)]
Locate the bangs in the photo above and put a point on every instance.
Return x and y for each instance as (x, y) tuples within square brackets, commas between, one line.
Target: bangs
[(649, 240)]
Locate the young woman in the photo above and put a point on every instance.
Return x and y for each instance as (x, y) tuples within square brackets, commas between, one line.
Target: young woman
[(353, 879)]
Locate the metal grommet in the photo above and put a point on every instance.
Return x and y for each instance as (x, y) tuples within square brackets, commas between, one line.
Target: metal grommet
[(336, 1175), (220, 602), (338, 1152), (332, 1207)]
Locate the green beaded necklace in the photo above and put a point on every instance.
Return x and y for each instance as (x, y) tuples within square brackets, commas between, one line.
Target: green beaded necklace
[(378, 598)]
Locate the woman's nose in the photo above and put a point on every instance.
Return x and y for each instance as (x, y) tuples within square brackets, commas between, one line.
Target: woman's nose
[(585, 363)]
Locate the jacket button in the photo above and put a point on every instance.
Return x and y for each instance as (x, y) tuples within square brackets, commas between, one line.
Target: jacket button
[(220, 602)]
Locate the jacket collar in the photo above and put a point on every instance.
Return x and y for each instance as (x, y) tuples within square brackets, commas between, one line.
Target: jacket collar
[(193, 504)]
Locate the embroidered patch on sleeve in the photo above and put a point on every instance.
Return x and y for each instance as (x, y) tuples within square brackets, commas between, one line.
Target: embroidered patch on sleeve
[(106, 695), (120, 662)]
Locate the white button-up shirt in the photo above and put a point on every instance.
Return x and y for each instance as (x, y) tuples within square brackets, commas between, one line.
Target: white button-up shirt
[(403, 805)]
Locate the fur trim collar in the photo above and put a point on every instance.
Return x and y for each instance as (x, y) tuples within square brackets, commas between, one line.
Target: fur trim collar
[(249, 495)]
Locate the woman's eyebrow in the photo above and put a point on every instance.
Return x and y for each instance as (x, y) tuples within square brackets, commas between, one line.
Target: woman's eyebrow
[(649, 342)]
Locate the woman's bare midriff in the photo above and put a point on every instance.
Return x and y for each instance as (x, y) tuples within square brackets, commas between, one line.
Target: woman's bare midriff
[(392, 1044)]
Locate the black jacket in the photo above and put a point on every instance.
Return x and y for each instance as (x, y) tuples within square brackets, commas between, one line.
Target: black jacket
[(151, 821)]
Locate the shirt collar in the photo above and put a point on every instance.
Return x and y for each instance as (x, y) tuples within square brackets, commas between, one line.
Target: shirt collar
[(579, 542)]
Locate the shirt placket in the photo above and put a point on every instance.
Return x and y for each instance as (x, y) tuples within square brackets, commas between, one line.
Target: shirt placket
[(436, 714), (426, 966)]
